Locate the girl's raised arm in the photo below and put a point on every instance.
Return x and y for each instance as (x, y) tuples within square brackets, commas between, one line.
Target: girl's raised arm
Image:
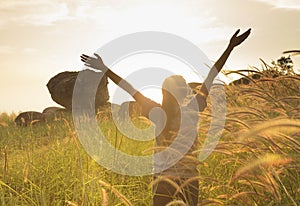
[(98, 64), (234, 41)]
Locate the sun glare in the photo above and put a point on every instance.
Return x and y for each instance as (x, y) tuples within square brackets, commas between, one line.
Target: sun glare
[(147, 71)]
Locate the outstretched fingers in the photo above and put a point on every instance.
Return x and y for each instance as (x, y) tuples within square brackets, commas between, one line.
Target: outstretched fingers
[(93, 62), (97, 55), (85, 58), (236, 33), (245, 34), (237, 40)]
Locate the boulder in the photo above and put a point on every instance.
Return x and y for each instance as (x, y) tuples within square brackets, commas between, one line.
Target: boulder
[(61, 88), (51, 113), (241, 81), (247, 80), (29, 118)]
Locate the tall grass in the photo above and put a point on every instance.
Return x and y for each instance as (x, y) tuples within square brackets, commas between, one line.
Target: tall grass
[(256, 161)]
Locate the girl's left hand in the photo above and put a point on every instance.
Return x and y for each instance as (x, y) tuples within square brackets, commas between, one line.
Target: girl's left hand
[(237, 40)]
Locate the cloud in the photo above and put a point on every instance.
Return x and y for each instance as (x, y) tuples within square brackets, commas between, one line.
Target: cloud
[(49, 12), (283, 4), (166, 16), (44, 12), (29, 50), (4, 49), (126, 16)]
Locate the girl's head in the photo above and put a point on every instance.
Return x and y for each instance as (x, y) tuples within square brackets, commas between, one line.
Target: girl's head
[(174, 90)]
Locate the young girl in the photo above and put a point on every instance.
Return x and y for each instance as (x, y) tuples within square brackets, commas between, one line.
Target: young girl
[(175, 159)]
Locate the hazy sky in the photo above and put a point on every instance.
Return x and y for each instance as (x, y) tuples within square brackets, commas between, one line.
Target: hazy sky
[(40, 38)]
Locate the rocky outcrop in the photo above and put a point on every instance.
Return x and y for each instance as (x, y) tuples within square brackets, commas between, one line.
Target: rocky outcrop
[(89, 86), (61, 88), (29, 118), (246, 80), (48, 115), (52, 113)]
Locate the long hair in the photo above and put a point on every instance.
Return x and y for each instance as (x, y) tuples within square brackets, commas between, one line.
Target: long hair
[(174, 91)]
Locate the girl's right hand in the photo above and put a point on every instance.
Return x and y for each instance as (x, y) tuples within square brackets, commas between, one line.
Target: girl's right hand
[(93, 62)]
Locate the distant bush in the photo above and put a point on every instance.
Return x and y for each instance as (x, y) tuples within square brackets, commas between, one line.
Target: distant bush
[(283, 66)]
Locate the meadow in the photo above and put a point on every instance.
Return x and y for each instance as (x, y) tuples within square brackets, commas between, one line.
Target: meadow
[(256, 161)]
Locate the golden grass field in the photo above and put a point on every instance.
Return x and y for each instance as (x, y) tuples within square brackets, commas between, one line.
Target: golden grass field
[(256, 162)]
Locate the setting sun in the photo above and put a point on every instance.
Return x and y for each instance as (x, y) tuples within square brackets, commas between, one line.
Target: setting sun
[(42, 38)]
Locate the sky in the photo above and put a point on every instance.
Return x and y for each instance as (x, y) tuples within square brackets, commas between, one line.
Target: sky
[(40, 38)]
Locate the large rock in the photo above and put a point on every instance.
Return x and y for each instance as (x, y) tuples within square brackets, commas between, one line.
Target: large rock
[(29, 118), (52, 113), (247, 80), (61, 88)]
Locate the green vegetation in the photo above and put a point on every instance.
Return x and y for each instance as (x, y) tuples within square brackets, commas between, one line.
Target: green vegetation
[(256, 162)]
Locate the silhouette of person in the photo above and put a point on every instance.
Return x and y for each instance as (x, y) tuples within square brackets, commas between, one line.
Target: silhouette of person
[(176, 123)]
